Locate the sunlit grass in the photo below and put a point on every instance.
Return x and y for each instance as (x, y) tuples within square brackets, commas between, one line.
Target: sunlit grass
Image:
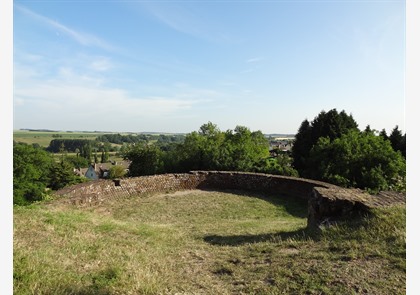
[(201, 242)]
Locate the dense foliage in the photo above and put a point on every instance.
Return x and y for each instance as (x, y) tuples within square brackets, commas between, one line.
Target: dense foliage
[(77, 161), (68, 145), (331, 148), (209, 149), (145, 160), (358, 159), (31, 168), (116, 171), (120, 139), (139, 138), (35, 171), (329, 124), (397, 140)]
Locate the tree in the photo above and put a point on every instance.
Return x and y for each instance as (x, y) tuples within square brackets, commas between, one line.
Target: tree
[(368, 130), (329, 124), (77, 162), (358, 159), (398, 140), (104, 152), (210, 145), (86, 151), (31, 173), (190, 154), (280, 165), (244, 148), (62, 175), (303, 140), (383, 134), (145, 160), (35, 171)]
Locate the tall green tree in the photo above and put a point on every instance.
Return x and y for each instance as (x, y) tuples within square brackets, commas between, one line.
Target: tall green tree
[(397, 140), (191, 153), (62, 175), (245, 148), (86, 152), (331, 124), (383, 134)]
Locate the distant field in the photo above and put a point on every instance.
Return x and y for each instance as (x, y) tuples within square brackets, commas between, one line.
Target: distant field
[(202, 242), (44, 138)]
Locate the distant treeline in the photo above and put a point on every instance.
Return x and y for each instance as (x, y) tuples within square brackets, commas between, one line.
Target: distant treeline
[(68, 145), (77, 145), (120, 139), (38, 130)]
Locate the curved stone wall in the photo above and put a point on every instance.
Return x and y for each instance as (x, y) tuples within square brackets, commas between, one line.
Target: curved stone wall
[(326, 202)]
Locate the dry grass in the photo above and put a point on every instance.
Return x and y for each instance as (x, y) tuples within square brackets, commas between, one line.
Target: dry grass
[(201, 242)]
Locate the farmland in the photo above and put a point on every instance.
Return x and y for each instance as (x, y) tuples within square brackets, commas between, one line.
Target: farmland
[(43, 138)]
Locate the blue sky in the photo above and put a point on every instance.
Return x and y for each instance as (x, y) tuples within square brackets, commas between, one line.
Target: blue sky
[(171, 66)]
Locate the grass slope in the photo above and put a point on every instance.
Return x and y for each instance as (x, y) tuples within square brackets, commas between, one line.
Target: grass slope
[(200, 242)]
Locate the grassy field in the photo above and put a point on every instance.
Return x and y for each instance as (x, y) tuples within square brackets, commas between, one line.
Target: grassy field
[(44, 138), (202, 242)]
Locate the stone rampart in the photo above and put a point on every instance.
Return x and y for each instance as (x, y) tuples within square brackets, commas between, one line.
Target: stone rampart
[(326, 202)]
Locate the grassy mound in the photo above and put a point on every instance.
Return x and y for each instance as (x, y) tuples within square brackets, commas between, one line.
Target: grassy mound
[(201, 242)]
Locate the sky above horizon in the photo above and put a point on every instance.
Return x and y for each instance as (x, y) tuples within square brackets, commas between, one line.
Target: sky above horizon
[(171, 66)]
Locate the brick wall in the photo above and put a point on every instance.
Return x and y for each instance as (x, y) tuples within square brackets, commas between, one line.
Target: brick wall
[(325, 201)]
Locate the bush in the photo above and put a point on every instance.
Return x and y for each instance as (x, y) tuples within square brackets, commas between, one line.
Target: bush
[(358, 159)]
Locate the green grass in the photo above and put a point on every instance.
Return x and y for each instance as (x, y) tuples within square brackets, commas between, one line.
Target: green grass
[(201, 242), (44, 138)]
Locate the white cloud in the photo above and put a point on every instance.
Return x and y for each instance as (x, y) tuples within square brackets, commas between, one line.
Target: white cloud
[(80, 101), (80, 37), (81, 95)]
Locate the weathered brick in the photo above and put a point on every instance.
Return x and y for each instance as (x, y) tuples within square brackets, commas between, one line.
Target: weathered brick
[(325, 201)]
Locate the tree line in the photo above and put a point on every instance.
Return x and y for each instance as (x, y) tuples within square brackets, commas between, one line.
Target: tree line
[(139, 138), (329, 148), (209, 148)]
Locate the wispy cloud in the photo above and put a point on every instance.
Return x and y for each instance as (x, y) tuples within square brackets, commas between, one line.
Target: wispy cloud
[(178, 19), (254, 59), (72, 93), (192, 22), (100, 64), (80, 37)]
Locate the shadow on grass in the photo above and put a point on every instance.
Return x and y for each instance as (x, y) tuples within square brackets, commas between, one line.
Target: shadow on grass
[(295, 206), (298, 235)]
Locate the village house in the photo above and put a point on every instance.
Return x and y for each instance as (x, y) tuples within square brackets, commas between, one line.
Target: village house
[(280, 146), (99, 170)]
